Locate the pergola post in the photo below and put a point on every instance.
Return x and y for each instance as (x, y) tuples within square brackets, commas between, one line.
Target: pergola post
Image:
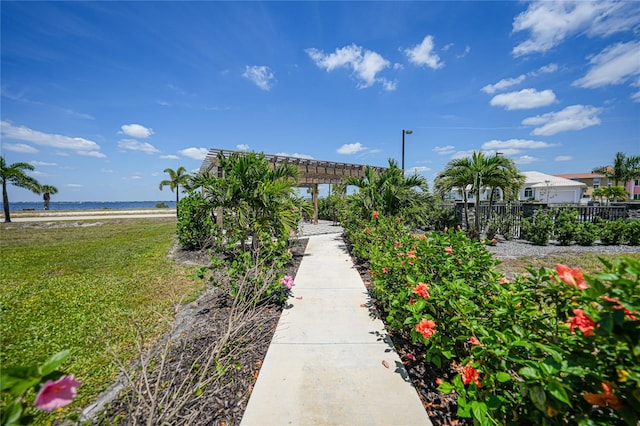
[(315, 203)]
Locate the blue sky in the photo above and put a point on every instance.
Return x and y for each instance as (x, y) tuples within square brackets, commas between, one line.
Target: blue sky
[(101, 97)]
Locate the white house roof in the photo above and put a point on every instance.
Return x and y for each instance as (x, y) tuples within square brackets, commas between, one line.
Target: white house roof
[(542, 180)]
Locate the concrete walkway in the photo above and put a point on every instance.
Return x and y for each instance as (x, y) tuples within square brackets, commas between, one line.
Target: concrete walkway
[(330, 362)]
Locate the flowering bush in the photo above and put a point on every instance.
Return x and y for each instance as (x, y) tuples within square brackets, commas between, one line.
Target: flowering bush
[(548, 347), (54, 389)]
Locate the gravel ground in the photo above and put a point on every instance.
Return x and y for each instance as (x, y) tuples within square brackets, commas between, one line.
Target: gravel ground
[(514, 249)]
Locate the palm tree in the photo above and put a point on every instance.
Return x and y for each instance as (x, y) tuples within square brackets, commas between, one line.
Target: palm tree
[(456, 175), (256, 196), (15, 175), (624, 168), (481, 172), (46, 191), (388, 192), (176, 178)]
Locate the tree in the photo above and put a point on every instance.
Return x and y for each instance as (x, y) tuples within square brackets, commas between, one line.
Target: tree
[(480, 172), (47, 191), (257, 197), (611, 193), (14, 174), (176, 178), (624, 168), (387, 193)]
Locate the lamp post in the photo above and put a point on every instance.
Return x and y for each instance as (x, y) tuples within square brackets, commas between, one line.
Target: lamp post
[(404, 132)]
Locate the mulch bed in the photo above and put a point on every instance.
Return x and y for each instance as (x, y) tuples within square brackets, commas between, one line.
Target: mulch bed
[(202, 323)]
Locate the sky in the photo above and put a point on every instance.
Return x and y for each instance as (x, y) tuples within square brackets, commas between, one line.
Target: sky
[(102, 97)]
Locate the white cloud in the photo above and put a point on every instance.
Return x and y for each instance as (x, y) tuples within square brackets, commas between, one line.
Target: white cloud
[(423, 54), (524, 99), (170, 157), (563, 158), (551, 22), (574, 117), (614, 65), (636, 97), (516, 144), (503, 84), (417, 169), (467, 50), (295, 155), (106, 170), (136, 131), (547, 69), (351, 148), (19, 147), (195, 153), (445, 150), (242, 147), (74, 185), (365, 64), (96, 154), (261, 76), (22, 133), (134, 145), (42, 163), (462, 154), (525, 159)]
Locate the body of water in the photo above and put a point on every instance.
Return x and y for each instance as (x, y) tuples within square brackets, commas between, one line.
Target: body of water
[(87, 205)]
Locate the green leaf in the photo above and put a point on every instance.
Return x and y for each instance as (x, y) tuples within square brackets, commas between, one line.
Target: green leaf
[(446, 387), (12, 414), (54, 362), (479, 410), (538, 397), (529, 373), (503, 377), (558, 392)]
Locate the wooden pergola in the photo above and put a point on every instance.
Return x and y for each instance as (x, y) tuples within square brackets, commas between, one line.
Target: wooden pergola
[(311, 172)]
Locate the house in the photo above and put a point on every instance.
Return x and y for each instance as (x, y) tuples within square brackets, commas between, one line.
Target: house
[(538, 187), (595, 180), (551, 189)]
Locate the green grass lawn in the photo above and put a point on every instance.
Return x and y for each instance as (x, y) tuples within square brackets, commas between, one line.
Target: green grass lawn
[(588, 262), (82, 288)]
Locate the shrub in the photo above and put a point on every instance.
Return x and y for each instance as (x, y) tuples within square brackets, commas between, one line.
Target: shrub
[(195, 222), (613, 232), (633, 232), (523, 349), (537, 228), (565, 226), (162, 205), (586, 233)]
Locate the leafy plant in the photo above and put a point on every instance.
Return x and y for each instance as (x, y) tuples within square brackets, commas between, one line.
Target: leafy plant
[(538, 228), (613, 232), (196, 224), (565, 226), (586, 233), (633, 232), (54, 389)]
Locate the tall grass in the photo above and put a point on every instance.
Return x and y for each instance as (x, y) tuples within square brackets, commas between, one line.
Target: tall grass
[(84, 287)]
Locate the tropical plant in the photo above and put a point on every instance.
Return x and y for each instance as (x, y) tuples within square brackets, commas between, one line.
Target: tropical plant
[(478, 173), (565, 225), (15, 175), (177, 178), (624, 168), (387, 192), (537, 228), (256, 197), (47, 191), (611, 193)]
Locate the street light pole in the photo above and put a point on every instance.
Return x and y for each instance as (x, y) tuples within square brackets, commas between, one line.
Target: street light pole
[(404, 132)]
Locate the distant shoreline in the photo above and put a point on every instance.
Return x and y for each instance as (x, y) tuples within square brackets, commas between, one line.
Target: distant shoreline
[(38, 206)]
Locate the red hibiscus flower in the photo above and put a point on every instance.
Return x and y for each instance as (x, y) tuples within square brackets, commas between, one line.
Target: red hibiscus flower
[(582, 322), (375, 215), (474, 340), (605, 399), (421, 290), (449, 250), (471, 374), (571, 276), (426, 328)]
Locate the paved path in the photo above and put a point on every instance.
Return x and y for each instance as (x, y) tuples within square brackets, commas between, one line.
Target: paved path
[(330, 362)]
